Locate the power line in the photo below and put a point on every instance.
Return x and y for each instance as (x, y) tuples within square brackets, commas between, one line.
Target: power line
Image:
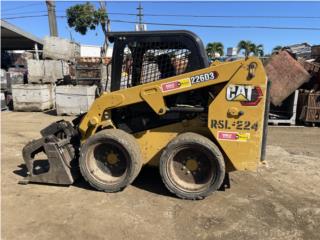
[(194, 25), (19, 13), (31, 16), (214, 16), (19, 7), (217, 26), (221, 26), (200, 16), (229, 16)]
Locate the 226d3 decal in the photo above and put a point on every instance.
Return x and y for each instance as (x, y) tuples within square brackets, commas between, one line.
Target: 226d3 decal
[(247, 95), (204, 77)]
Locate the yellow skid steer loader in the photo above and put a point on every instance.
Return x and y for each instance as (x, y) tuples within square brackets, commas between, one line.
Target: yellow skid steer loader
[(165, 106)]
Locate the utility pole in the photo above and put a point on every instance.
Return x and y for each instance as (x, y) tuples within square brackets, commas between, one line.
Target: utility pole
[(140, 26), (105, 27), (140, 13), (105, 71), (51, 6), (104, 7)]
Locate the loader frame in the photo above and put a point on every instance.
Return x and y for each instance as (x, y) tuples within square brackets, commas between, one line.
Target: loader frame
[(242, 154)]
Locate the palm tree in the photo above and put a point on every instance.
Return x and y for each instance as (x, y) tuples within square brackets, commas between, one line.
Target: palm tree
[(213, 48), (257, 50), (247, 46), (250, 47), (276, 49)]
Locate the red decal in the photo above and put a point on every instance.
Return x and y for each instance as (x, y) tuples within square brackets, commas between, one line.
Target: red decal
[(257, 92), (234, 136), (227, 135)]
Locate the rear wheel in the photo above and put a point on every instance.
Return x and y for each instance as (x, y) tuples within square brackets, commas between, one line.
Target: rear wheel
[(192, 166), (110, 160)]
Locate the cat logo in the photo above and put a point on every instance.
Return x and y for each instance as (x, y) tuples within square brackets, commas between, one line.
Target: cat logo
[(247, 95)]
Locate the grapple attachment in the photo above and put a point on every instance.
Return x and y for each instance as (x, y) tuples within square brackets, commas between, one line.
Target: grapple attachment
[(60, 144)]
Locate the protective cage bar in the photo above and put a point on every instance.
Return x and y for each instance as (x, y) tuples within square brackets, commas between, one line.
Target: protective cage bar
[(143, 57), (159, 60)]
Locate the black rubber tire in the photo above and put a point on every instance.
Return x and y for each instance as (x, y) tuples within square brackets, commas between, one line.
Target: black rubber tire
[(129, 148), (192, 141)]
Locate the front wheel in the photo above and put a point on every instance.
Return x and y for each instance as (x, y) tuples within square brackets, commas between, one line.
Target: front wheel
[(110, 160), (192, 166)]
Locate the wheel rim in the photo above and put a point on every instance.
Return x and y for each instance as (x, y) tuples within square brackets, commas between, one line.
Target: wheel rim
[(191, 169), (108, 162)]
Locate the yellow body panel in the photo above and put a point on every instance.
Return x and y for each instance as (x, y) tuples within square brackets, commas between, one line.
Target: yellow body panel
[(154, 140), (235, 127), (244, 152)]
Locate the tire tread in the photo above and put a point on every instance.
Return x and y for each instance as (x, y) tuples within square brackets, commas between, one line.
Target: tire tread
[(196, 138), (129, 142)]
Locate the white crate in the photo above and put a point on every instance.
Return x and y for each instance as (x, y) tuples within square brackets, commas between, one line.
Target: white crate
[(33, 97), (46, 71), (35, 70), (3, 101), (60, 49), (74, 100), (53, 70), (4, 79), (14, 77)]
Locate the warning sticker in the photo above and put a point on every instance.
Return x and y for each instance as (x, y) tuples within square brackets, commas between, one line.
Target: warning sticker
[(233, 136), (174, 85)]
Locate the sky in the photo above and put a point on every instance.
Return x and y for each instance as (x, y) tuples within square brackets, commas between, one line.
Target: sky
[(228, 36)]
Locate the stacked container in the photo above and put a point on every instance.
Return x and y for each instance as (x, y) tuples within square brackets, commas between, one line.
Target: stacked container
[(38, 93), (85, 74), (61, 79), (4, 83)]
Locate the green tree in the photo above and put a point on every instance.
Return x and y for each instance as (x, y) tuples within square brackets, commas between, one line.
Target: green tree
[(257, 50), (248, 47), (84, 17), (213, 48), (276, 49)]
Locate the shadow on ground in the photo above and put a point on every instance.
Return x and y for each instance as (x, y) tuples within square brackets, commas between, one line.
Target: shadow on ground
[(52, 112), (148, 179)]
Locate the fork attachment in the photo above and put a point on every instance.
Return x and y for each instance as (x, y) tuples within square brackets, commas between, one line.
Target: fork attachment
[(61, 166)]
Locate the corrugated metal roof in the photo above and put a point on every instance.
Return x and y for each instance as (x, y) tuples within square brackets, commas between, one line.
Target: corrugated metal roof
[(300, 50)]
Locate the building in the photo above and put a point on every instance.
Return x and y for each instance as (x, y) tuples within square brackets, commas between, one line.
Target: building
[(232, 51), (14, 38), (302, 50)]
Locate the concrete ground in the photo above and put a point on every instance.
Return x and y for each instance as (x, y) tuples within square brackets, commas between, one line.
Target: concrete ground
[(279, 201)]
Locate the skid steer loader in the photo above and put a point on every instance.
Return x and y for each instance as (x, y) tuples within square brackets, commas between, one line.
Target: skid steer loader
[(168, 107)]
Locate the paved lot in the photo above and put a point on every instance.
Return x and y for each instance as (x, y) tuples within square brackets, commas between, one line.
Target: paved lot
[(279, 201)]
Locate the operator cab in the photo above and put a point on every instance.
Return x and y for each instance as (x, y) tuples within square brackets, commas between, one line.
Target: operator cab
[(142, 57)]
